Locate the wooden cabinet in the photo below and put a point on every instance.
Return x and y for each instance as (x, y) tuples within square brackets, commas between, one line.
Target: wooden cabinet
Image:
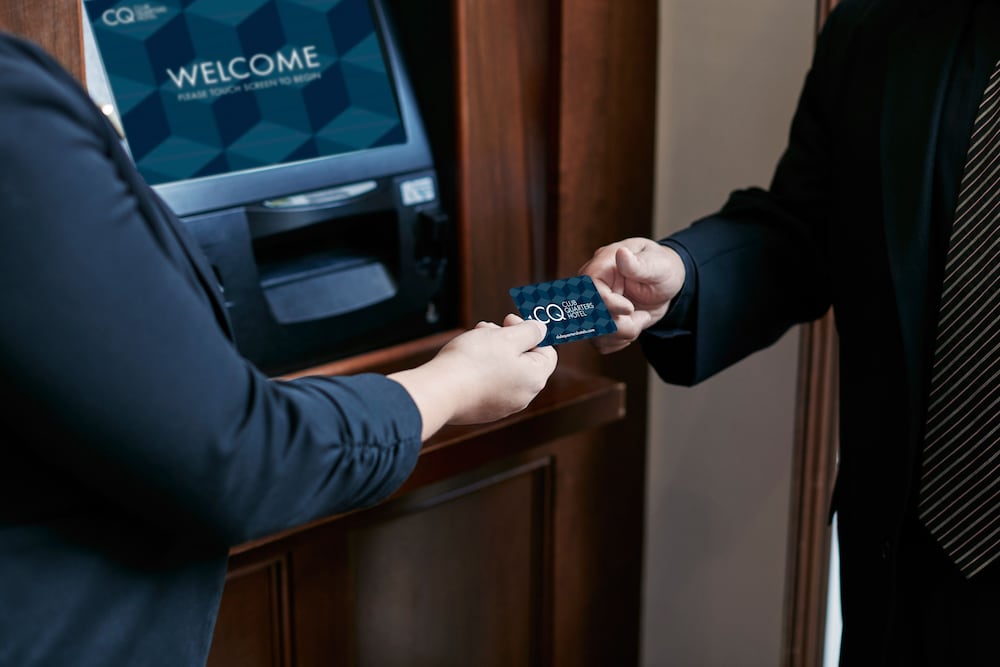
[(491, 544), (520, 542)]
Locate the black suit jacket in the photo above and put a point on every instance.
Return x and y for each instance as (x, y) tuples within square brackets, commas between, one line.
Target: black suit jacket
[(846, 224), (136, 445)]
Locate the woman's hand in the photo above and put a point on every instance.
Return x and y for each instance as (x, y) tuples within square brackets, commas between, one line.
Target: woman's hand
[(482, 375)]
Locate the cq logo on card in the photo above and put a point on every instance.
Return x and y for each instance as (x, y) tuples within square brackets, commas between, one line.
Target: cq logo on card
[(552, 313), (120, 16)]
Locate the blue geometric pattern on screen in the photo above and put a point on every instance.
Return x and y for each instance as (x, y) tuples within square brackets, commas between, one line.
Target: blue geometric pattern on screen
[(208, 87)]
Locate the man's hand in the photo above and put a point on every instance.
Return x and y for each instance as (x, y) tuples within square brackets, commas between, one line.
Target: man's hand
[(637, 278)]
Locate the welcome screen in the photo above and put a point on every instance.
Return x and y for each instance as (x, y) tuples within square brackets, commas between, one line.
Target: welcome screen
[(213, 86)]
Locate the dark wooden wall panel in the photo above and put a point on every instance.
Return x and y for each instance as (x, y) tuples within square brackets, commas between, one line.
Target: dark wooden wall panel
[(252, 629), (458, 572), (502, 87), (53, 24), (607, 121), (461, 591), (599, 513), (323, 602)]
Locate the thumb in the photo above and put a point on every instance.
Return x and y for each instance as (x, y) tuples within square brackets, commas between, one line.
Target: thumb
[(634, 267), (525, 334)]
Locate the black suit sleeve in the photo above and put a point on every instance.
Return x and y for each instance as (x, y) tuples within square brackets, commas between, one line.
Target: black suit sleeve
[(763, 261), (114, 360)]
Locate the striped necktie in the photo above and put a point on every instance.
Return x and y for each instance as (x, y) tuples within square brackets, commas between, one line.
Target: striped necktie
[(960, 473)]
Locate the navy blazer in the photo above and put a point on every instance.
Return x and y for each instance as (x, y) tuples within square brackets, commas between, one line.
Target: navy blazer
[(136, 444), (845, 224)]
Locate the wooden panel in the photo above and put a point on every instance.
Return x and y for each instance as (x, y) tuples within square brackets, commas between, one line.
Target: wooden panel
[(53, 24), (252, 629), (456, 589), (323, 604), (580, 595), (813, 470), (502, 78), (607, 125), (455, 573)]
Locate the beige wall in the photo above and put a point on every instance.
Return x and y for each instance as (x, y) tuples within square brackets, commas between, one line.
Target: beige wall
[(719, 454)]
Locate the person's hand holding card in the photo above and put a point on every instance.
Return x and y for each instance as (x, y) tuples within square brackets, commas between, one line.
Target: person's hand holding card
[(638, 278), (482, 375)]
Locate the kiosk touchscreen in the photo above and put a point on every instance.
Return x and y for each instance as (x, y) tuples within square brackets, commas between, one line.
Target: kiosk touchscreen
[(286, 135)]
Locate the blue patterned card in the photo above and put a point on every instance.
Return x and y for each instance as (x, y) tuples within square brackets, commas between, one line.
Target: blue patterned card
[(571, 308)]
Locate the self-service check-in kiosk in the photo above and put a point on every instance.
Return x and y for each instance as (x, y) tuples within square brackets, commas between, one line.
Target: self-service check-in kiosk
[(286, 136)]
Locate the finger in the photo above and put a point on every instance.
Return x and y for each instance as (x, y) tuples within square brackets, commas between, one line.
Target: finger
[(628, 332), (487, 325), (525, 335), (512, 319), (642, 319), (618, 304), (629, 328)]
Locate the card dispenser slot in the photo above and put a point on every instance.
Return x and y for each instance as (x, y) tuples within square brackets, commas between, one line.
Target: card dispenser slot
[(329, 268), (315, 295)]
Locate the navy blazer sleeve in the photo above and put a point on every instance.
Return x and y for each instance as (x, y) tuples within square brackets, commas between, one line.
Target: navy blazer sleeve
[(111, 351), (763, 262)]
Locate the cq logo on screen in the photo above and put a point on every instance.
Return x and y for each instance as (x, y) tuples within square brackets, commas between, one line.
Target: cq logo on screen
[(120, 16)]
